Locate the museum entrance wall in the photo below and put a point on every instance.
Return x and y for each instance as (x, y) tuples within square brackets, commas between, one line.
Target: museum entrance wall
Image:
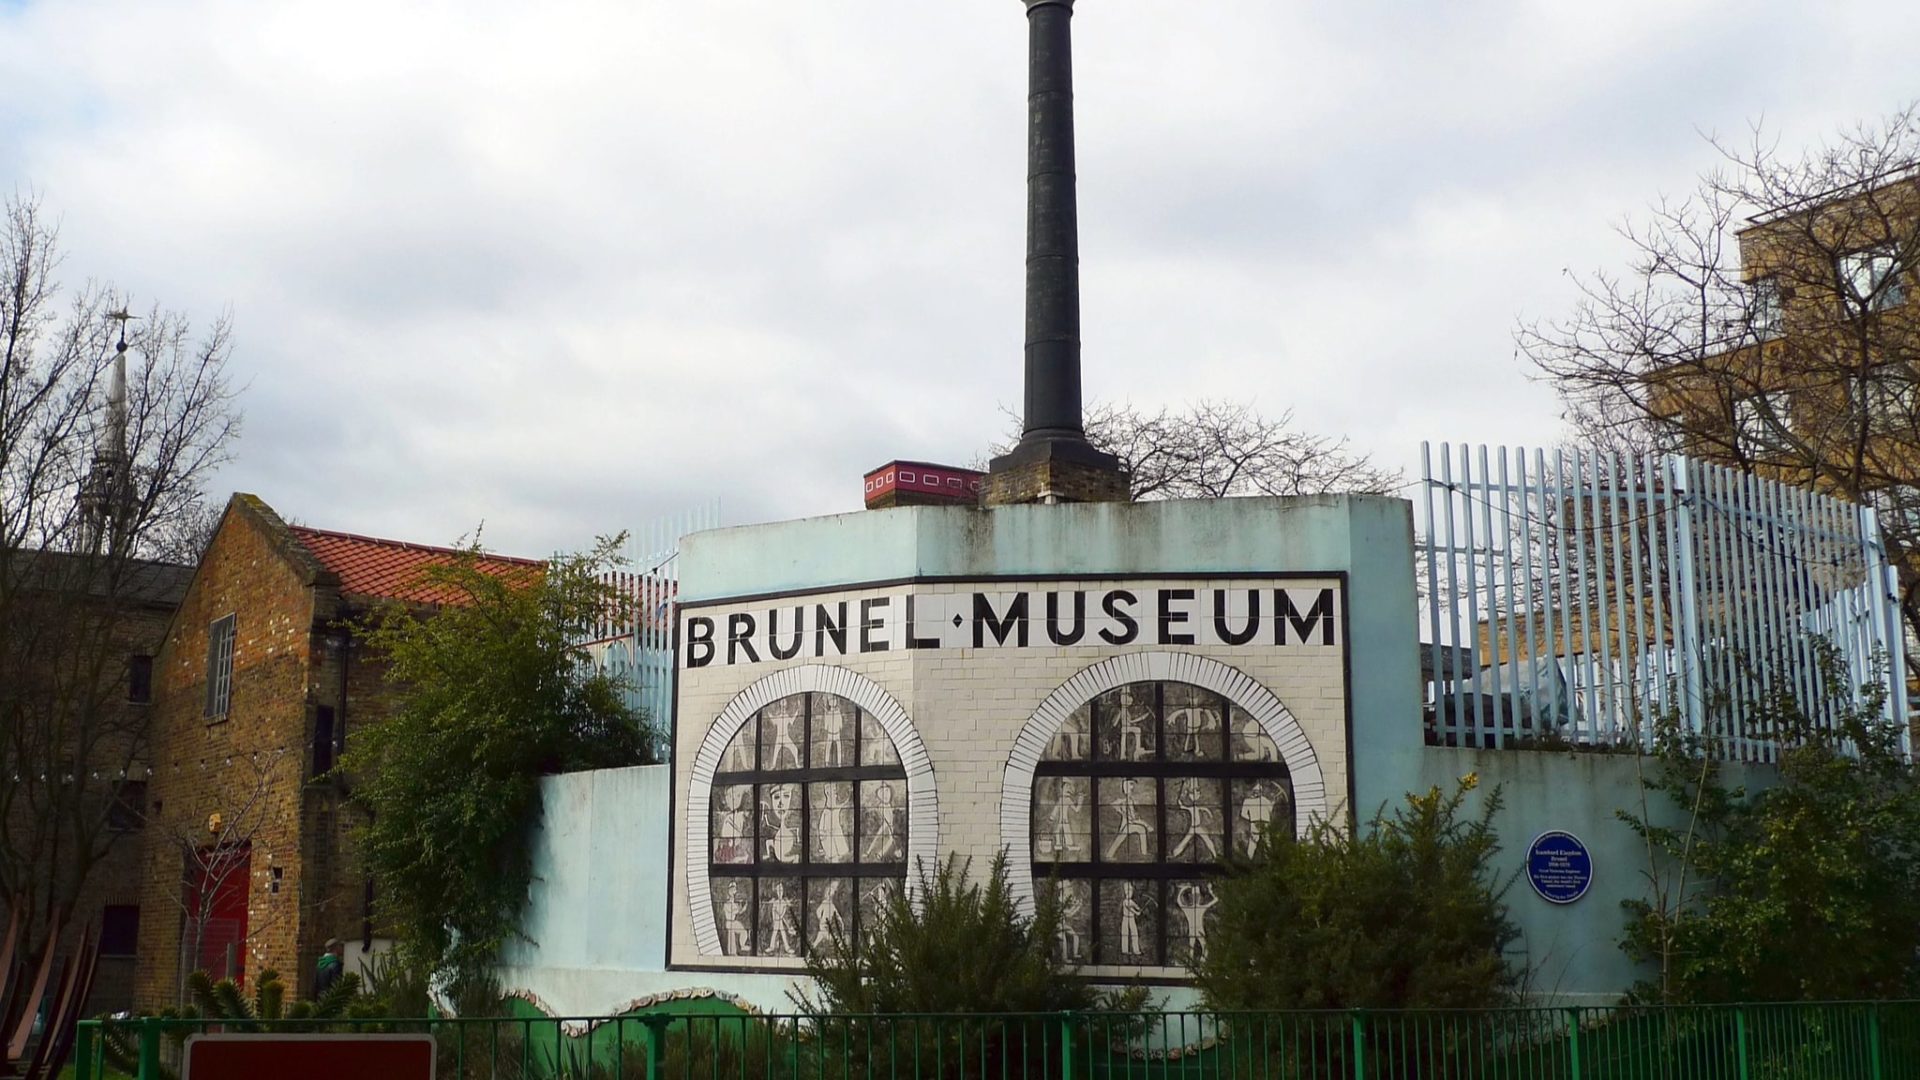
[(1117, 696)]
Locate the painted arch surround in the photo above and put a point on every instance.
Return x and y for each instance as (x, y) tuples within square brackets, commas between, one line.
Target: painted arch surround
[(923, 818), (1245, 692)]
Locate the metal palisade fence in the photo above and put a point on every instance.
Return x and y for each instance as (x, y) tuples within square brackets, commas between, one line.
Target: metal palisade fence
[(1867, 1040), (635, 639), (1572, 597)]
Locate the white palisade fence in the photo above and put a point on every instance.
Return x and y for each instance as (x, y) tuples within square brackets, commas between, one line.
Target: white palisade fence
[(1572, 597), (636, 639)]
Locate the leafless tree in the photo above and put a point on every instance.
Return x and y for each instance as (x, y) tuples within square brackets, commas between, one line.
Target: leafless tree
[(217, 853), (1212, 449), (90, 495), (1767, 321)]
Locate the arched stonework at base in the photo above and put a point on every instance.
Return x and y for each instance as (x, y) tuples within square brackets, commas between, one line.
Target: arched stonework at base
[(923, 815), (1016, 792)]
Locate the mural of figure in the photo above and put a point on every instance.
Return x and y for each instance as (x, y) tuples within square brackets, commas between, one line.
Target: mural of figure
[(1066, 935), (1257, 810), (1061, 818), (880, 844), (1129, 921), (1132, 826), (826, 919), (1194, 902), (784, 744), (1183, 730), (780, 911), (1133, 734), (831, 827), (1199, 822), (783, 844), (733, 920), (834, 725), (736, 825)]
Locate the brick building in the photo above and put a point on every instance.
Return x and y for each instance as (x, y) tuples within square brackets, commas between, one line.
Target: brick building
[(76, 666), (249, 858)]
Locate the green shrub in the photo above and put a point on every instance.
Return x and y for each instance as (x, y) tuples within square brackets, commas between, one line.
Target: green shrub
[(1406, 913)]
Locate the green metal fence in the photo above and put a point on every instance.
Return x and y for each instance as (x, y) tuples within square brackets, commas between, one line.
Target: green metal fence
[(1870, 1040)]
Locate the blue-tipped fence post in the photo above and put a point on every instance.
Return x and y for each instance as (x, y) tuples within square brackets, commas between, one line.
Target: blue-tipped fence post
[(1573, 1043), (150, 1048), (1066, 1046), (656, 1041), (83, 1034), (1359, 1044)]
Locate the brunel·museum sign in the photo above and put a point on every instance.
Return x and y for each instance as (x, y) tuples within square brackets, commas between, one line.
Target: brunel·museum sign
[(1254, 614)]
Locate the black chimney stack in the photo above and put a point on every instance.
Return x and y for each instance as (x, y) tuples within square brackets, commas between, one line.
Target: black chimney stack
[(1053, 461)]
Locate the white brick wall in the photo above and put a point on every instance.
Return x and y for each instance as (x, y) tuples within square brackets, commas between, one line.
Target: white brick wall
[(981, 717)]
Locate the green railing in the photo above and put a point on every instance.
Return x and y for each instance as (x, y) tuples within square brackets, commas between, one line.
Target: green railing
[(1869, 1040)]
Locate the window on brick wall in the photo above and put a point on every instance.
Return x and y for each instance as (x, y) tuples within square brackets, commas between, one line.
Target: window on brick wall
[(129, 808), (220, 666), (323, 741), (120, 930), (140, 680)]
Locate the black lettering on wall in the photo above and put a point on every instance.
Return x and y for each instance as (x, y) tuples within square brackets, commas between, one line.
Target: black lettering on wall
[(830, 626), (1236, 637), (1013, 622), (917, 642), (868, 624), (699, 641), (739, 633), (1169, 617), (1054, 632), (773, 634), (1319, 615), (1111, 605)]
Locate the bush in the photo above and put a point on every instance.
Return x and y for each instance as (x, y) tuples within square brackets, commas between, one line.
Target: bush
[(964, 948), (1800, 891), (1405, 914), (492, 690)]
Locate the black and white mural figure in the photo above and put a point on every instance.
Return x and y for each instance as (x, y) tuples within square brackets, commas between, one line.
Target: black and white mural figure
[(808, 810), (1140, 796)]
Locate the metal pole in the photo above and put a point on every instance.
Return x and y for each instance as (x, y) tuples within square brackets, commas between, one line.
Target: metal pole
[(1053, 244)]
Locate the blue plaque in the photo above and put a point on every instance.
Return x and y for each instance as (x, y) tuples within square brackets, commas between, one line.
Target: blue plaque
[(1559, 867)]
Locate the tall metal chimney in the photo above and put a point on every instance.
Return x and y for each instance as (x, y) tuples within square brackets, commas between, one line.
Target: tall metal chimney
[(1053, 461)]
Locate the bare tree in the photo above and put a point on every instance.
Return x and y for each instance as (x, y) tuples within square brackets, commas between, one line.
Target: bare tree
[(104, 454), (1767, 321), (217, 855), (1213, 449)]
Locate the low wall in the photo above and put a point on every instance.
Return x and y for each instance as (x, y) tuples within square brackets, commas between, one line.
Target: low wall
[(1572, 950)]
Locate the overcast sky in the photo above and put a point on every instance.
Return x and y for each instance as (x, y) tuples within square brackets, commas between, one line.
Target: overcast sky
[(565, 267)]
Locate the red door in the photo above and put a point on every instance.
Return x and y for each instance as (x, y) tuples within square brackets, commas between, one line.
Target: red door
[(217, 904)]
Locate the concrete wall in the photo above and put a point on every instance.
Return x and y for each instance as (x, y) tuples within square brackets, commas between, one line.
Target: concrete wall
[(597, 916), (1572, 950)]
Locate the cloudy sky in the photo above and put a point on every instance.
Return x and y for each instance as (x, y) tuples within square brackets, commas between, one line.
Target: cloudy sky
[(565, 267)]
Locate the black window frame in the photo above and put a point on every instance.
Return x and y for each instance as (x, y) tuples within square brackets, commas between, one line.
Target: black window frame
[(1164, 772), (325, 744), (120, 931), (759, 777), (128, 810), (140, 679)]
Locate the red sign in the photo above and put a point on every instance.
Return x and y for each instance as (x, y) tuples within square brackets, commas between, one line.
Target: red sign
[(309, 1057)]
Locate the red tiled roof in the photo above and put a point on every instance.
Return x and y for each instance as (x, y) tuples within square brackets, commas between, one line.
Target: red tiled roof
[(390, 569)]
